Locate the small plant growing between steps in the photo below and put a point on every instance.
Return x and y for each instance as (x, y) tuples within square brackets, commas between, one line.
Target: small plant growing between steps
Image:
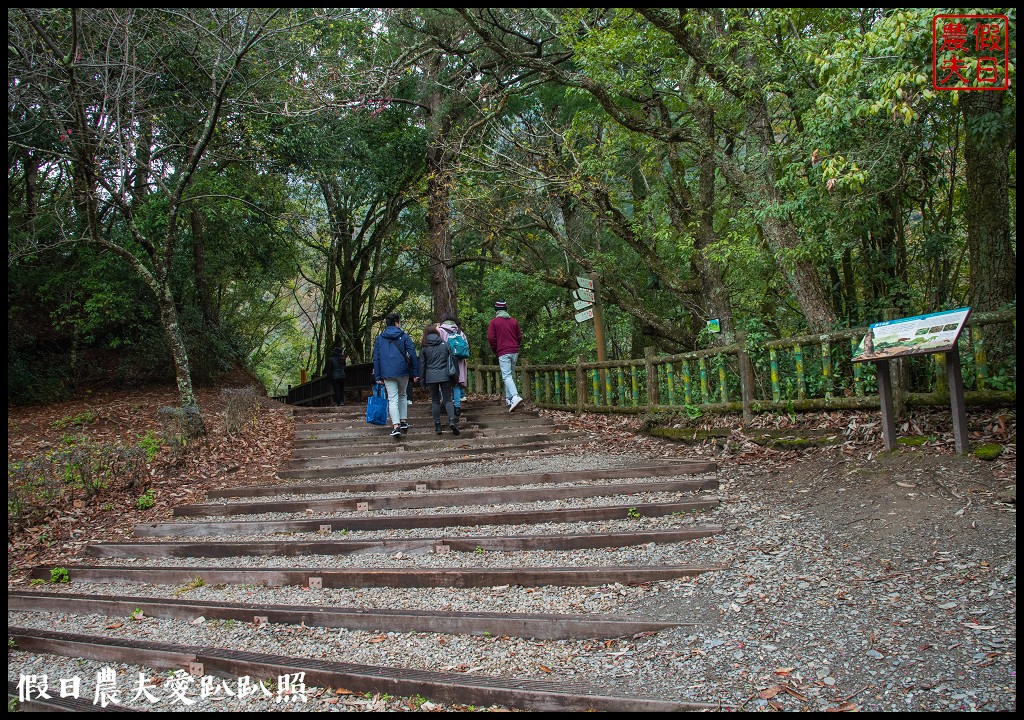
[(196, 582), (633, 513), (59, 575)]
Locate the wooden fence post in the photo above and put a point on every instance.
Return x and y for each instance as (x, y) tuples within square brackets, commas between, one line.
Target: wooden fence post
[(581, 386), (652, 378), (527, 390), (746, 378)]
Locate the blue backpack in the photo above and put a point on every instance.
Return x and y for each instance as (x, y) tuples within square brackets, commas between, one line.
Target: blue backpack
[(458, 345)]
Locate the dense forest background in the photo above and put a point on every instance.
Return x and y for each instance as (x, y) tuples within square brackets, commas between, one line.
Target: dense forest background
[(192, 191)]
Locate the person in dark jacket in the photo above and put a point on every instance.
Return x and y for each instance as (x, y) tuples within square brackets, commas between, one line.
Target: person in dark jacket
[(336, 370), (504, 336), (434, 359), (394, 362)]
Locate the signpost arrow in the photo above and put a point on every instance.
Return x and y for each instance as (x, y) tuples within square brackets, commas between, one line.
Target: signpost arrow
[(585, 283), (581, 304), (584, 295), (585, 315)]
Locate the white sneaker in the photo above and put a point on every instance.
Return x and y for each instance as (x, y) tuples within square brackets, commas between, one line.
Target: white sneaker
[(516, 402)]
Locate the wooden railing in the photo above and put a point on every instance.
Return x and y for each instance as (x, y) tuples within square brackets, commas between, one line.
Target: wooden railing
[(809, 372)]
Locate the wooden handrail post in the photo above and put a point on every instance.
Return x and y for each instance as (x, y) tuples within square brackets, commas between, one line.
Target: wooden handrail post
[(652, 378), (581, 387), (746, 378), (526, 392)]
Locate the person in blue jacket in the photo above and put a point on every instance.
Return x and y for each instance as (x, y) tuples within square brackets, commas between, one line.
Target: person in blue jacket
[(394, 362)]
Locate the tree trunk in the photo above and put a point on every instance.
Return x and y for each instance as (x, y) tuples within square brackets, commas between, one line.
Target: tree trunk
[(709, 272), (179, 353), (990, 251), (439, 244), (804, 279)]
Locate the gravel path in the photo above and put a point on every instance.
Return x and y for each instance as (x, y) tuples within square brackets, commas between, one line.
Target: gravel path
[(825, 605)]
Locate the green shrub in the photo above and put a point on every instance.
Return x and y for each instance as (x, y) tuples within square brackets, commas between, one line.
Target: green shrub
[(59, 575), (83, 418), (146, 500), (150, 444)]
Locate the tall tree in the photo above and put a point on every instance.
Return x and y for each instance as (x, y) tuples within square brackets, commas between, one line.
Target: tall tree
[(137, 97)]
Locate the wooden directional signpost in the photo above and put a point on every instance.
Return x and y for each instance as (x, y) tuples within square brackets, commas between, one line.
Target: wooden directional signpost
[(588, 307), (922, 334)]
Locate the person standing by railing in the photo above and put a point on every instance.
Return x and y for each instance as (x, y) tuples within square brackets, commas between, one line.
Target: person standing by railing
[(505, 337)]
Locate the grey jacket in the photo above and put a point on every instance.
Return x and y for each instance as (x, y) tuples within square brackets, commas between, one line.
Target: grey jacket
[(434, 360)]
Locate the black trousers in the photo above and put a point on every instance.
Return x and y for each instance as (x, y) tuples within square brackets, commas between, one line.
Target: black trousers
[(338, 386), (441, 394)]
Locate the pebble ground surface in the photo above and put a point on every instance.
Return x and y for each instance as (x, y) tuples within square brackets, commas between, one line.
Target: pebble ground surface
[(854, 582)]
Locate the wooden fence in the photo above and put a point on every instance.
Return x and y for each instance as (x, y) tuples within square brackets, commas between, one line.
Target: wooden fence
[(810, 372)]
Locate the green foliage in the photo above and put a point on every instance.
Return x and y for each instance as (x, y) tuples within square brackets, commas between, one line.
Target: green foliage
[(633, 513), (92, 466), (693, 411), (150, 444), (36, 581), (146, 500), (59, 575), (48, 483), (299, 228), (83, 418)]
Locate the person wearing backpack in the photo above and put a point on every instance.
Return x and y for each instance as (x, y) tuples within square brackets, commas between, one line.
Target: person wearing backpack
[(438, 365), (450, 332), (504, 336), (394, 362)]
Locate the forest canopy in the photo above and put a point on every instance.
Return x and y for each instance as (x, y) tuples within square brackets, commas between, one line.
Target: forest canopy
[(196, 190)]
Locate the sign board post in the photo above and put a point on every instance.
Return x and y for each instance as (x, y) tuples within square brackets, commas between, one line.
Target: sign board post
[(587, 305), (919, 335)]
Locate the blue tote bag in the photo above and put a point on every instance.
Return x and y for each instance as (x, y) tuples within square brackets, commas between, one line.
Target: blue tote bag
[(377, 406)]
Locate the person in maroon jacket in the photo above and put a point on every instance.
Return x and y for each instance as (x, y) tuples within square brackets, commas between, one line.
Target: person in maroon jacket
[(505, 337)]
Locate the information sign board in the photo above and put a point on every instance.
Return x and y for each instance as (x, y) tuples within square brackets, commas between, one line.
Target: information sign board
[(582, 294), (582, 304), (585, 315), (918, 335), (585, 283)]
